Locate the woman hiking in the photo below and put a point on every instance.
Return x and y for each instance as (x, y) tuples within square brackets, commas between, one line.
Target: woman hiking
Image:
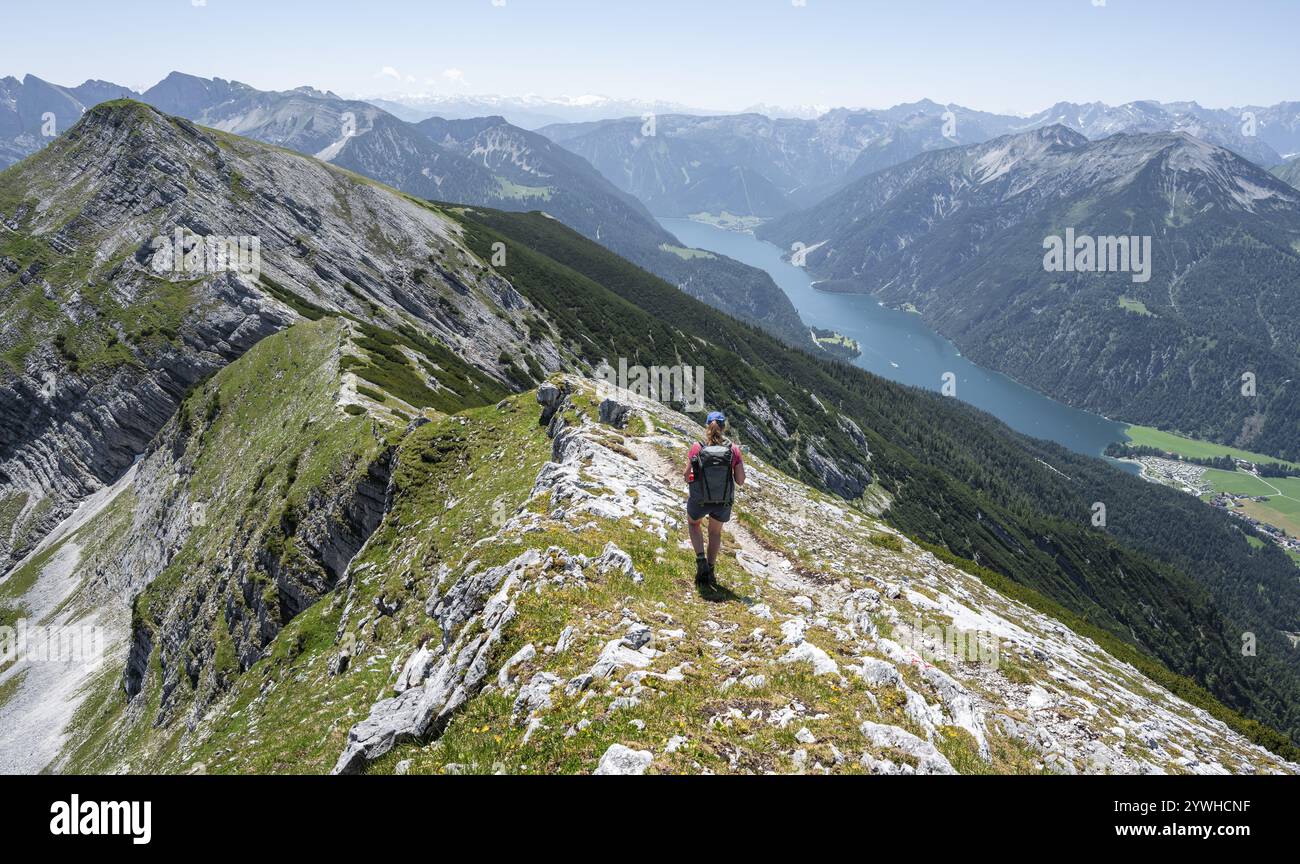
[(714, 468)]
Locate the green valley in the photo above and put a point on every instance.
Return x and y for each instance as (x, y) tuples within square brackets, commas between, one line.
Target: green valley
[(1170, 442)]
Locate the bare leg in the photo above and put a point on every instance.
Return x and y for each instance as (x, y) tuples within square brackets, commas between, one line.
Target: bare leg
[(697, 535), (715, 540)]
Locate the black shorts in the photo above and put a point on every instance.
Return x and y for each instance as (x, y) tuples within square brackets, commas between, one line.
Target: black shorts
[(697, 510)]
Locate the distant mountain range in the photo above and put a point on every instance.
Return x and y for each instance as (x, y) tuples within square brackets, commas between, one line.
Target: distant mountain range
[(960, 234), (1289, 171), (485, 162), (606, 177), (752, 165), (533, 112), (528, 112), (763, 162), (33, 112)]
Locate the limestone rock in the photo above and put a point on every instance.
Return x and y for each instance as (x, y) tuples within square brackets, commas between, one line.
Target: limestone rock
[(620, 760)]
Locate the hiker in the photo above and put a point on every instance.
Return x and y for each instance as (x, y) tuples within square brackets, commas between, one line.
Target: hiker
[(714, 468)]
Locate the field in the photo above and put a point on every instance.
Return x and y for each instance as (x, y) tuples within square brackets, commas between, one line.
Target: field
[(1134, 306), (1288, 522), (728, 221), (1189, 447), (1237, 483), (686, 254), (1283, 506)]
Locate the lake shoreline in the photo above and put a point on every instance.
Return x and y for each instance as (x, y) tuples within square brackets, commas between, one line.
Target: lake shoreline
[(898, 345)]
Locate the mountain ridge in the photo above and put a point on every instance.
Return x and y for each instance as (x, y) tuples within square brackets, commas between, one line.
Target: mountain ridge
[(365, 139), (805, 160), (139, 341)]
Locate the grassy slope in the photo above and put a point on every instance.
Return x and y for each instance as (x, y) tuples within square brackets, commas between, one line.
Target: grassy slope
[(253, 451), (457, 478), (300, 723), (263, 439)]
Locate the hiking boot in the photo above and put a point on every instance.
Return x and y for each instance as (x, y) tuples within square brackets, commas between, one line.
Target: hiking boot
[(703, 572), (711, 577)]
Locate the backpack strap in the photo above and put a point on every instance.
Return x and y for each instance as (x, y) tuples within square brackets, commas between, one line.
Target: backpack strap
[(700, 474), (730, 488)]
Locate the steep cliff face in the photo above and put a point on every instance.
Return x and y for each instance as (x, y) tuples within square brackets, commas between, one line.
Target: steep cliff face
[(102, 337), (279, 501), (246, 508)]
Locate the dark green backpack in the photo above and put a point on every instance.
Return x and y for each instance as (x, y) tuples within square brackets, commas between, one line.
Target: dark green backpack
[(712, 467)]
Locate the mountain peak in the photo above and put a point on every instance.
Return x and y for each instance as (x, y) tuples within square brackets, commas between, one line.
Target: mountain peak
[(118, 112), (1059, 133), (1000, 156)]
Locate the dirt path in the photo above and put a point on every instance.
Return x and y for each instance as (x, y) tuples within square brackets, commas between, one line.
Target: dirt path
[(750, 553), (1278, 492)]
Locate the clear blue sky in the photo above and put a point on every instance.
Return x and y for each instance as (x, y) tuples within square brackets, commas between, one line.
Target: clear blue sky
[(998, 55)]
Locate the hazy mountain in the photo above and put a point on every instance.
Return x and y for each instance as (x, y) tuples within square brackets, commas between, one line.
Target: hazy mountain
[(696, 164), (1279, 126), (748, 165), (960, 234), (1229, 127), (528, 112), (486, 162), (752, 165), (33, 112), (1289, 171)]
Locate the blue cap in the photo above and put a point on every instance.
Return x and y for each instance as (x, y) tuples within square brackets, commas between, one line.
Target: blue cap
[(718, 416)]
